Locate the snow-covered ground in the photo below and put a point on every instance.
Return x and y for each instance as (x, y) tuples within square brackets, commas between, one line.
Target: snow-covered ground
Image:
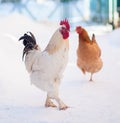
[(90, 102)]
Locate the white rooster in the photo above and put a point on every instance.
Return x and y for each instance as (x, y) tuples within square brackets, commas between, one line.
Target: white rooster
[(46, 67)]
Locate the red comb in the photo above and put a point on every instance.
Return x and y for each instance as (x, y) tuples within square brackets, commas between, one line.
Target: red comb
[(66, 23)]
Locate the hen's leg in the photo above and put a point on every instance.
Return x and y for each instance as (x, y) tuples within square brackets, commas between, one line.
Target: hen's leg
[(49, 103), (91, 77), (62, 106)]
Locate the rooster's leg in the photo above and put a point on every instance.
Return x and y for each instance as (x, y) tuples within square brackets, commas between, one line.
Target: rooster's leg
[(62, 106), (49, 103), (91, 77)]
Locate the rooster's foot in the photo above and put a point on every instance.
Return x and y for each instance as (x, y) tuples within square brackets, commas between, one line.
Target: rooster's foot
[(91, 80), (50, 104), (63, 107)]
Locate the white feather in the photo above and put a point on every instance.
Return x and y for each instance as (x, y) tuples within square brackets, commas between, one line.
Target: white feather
[(46, 70)]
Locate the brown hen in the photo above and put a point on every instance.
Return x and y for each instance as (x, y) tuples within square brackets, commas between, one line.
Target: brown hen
[(88, 53)]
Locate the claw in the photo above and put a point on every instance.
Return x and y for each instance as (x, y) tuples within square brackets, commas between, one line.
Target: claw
[(49, 103), (64, 107)]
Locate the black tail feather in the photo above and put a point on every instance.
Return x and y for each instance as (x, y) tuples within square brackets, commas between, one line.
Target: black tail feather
[(32, 36), (28, 39), (29, 42)]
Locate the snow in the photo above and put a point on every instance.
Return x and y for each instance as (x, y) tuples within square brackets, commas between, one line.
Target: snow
[(89, 102)]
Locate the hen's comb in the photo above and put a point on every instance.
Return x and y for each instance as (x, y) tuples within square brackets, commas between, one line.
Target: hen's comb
[(79, 29), (66, 23)]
